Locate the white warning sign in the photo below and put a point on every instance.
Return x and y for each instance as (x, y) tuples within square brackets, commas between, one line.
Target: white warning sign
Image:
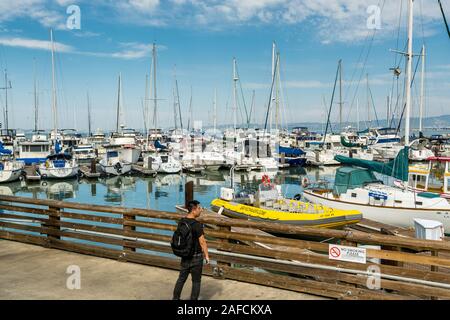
[(344, 253)]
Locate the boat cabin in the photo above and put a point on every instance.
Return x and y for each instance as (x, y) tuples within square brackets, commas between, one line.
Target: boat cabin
[(34, 151), (432, 177)]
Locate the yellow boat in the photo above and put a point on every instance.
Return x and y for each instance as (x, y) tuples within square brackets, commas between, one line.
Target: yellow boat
[(267, 205)]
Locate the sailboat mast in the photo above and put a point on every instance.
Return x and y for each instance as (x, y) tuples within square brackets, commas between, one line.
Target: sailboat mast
[(55, 117), (35, 98), (274, 65), (409, 56), (368, 101), (357, 114), (388, 111), (340, 95), (118, 103), (155, 97), (178, 104), (145, 104), (215, 110), (175, 98), (89, 114), (235, 79), (422, 79), (277, 93)]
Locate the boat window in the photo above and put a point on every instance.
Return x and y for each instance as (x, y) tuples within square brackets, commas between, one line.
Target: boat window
[(37, 148), (353, 195), (419, 203), (398, 201), (112, 154), (164, 159)]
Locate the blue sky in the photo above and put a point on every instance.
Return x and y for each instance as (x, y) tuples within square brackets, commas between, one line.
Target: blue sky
[(201, 38)]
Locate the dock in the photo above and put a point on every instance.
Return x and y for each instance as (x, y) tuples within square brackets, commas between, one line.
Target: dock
[(87, 172), (194, 169), (139, 168), (32, 174), (240, 250), (99, 279)]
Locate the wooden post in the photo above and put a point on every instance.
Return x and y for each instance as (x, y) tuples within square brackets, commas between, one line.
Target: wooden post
[(93, 166), (435, 253), (126, 229), (54, 218), (188, 192), (283, 160)]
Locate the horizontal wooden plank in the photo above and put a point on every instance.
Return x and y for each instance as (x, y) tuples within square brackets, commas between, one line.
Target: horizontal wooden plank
[(354, 236)]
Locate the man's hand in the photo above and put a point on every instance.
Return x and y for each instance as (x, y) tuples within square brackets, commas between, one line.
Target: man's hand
[(207, 260)]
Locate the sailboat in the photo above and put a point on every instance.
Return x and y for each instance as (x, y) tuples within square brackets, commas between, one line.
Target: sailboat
[(57, 165), (357, 187), (161, 162), (113, 162), (10, 169)]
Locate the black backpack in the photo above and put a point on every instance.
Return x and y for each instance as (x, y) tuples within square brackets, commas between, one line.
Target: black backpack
[(182, 240)]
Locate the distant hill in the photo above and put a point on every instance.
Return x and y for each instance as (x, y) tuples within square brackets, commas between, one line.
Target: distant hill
[(429, 124)]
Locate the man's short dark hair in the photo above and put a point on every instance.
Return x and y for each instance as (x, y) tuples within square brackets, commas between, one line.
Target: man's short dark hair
[(192, 205)]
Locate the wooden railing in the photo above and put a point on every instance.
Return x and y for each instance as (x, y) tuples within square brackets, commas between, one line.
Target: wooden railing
[(409, 268)]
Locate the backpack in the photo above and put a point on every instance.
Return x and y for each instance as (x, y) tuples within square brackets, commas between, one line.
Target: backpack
[(182, 240)]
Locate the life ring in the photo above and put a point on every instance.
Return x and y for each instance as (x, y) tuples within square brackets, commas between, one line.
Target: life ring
[(266, 180), (305, 182)]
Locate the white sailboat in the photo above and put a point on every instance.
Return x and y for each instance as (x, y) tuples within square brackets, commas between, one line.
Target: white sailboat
[(359, 189), (58, 165), (112, 164), (10, 169), (159, 161)]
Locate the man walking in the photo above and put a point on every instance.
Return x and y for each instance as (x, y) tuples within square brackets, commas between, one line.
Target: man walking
[(194, 263)]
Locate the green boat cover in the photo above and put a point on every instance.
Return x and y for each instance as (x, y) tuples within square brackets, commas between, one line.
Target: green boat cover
[(350, 177), (349, 144), (397, 168)]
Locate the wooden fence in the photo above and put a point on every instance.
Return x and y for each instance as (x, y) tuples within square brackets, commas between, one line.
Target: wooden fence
[(408, 268)]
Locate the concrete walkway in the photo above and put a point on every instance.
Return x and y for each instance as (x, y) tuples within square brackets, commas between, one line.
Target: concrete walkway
[(33, 272)]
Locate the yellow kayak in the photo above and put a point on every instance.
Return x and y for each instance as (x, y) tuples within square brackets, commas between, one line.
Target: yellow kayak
[(291, 212)]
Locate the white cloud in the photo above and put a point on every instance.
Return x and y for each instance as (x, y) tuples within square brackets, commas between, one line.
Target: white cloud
[(39, 10), (35, 44)]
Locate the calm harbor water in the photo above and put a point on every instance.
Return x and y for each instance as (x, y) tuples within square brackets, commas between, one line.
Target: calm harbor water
[(162, 192)]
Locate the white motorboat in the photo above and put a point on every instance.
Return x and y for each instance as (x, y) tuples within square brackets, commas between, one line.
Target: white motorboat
[(112, 164), (162, 163), (420, 150), (59, 166)]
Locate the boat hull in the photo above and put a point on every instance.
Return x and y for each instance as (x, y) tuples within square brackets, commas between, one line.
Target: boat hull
[(116, 170), (329, 219), (10, 175), (400, 217), (58, 173)]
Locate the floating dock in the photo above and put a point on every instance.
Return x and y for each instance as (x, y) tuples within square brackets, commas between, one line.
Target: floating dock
[(140, 169), (87, 172), (32, 174)]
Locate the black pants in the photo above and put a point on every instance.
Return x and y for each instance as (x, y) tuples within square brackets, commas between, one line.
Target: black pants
[(193, 266)]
